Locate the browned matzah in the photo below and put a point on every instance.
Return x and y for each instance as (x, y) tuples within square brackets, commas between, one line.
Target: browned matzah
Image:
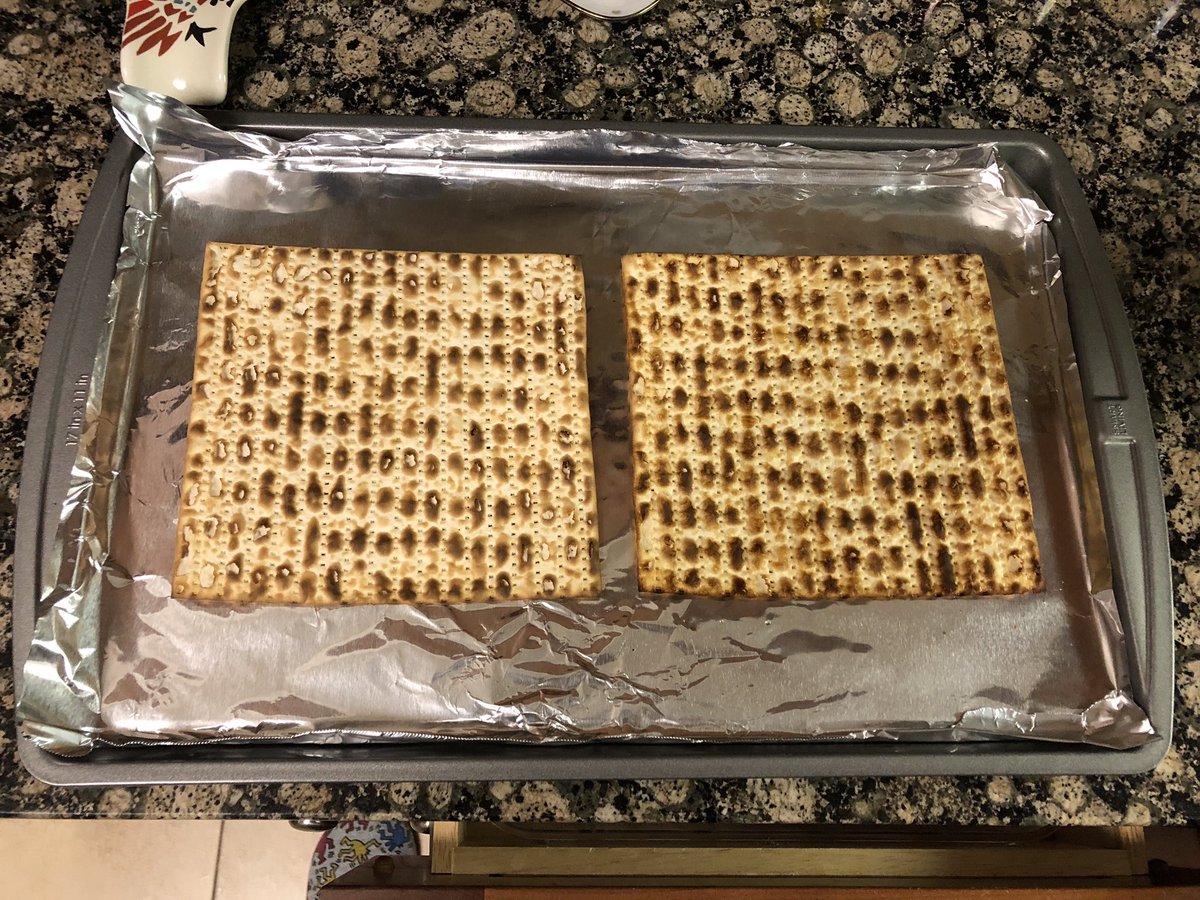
[(376, 427), (823, 427)]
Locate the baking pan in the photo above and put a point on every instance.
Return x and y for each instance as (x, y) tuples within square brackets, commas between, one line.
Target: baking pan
[(1120, 432)]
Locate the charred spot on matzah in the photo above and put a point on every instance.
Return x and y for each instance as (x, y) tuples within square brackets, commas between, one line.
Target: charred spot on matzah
[(823, 427), (349, 439)]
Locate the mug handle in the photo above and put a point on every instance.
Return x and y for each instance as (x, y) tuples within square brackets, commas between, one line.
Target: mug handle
[(179, 47)]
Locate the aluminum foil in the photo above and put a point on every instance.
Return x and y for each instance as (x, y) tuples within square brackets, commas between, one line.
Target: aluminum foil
[(117, 659)]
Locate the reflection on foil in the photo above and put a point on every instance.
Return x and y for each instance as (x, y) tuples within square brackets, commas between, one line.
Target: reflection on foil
[(116, 658)]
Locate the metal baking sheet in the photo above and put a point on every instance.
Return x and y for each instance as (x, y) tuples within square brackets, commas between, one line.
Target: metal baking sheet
[(1122, 471)]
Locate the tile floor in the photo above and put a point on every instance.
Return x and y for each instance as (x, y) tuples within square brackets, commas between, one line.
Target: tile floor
[(149, 860)]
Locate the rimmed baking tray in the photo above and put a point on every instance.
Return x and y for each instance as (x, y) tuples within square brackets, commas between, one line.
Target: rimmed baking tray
[(1119, 429)]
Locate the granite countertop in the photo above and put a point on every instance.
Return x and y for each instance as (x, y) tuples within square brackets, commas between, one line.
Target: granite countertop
[(1116, 83)]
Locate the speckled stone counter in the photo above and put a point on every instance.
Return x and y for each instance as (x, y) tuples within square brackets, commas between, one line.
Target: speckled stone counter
[(1116, 82)]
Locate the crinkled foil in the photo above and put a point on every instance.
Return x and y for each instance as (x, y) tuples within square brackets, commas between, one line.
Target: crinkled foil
[(117, 659)]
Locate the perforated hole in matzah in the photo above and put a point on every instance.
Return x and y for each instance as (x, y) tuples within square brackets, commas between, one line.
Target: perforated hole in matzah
[(376, 427), (823, 427)]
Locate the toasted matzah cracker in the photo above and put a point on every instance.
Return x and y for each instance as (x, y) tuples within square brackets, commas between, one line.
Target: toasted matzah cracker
[(375, 427), (823, 427)]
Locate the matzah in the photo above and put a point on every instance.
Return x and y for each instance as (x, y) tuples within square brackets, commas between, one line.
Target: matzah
[(378, 427), (823, 427)]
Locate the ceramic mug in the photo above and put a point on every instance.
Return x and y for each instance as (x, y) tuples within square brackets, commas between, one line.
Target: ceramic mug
[(179, 47)]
